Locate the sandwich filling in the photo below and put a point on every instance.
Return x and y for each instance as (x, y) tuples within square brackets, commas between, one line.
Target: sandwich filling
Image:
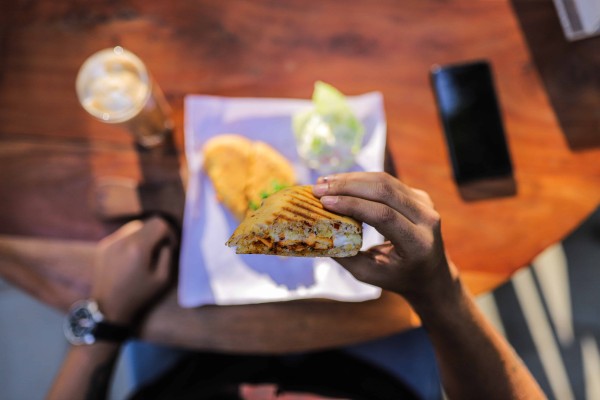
[(293, 222)]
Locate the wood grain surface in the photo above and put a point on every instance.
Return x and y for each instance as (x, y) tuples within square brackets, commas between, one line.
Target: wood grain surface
[(568, 70), (52, 154)]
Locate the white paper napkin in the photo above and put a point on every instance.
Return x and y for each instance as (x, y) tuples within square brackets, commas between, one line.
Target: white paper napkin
[(210, 272)]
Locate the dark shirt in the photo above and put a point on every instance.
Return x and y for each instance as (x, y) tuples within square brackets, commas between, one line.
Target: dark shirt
[(332, 374)]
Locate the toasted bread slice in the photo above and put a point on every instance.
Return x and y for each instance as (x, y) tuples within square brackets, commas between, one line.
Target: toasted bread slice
[(293, 222)]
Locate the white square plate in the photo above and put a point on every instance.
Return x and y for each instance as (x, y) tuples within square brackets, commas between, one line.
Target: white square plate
[(210, 272)]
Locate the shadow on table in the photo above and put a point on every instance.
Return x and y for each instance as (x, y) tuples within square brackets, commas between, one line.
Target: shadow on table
[(161, 188), (488, 188), (570, 71)]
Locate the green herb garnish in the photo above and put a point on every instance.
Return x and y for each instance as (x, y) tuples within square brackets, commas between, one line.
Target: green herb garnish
[(253, 206), (275, 187)]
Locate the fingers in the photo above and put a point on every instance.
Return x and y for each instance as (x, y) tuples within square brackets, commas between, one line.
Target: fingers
[(423, 197), (129, 229), (378, 187), (162, 269), (140, 241), (389, 222), (377, 199), (370, 266), (361, 266), (148, 231), (403, 215), (154, 229)]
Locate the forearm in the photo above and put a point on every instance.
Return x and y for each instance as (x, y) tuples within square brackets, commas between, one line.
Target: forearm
[(475, 361), (85, 373)]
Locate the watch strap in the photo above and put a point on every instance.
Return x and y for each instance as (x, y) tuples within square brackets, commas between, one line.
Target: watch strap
[(107, 331)]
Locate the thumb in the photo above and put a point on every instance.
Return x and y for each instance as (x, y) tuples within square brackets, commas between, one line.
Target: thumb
[(371, 266), (362, 266)]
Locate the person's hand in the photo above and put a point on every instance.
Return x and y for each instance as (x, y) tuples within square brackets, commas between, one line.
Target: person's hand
[(412, 262), (133, 266)]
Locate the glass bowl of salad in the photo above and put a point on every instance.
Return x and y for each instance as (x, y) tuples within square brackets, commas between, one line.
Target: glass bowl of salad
[(328, 135)]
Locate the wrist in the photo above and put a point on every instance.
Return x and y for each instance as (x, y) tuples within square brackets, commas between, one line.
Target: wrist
[(113, 316), (114, 312), (86, 324), (442, 291), (443, 307)]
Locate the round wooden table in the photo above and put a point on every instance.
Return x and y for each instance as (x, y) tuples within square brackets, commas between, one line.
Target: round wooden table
[(52, 154)]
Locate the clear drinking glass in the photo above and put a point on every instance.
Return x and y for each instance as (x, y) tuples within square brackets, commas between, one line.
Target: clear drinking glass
[(114, 86)]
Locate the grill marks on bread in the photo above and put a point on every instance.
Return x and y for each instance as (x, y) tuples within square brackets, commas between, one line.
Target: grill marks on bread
[(305, 205)]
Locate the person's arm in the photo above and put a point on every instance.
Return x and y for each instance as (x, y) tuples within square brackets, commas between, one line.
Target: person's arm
[(132, 269), (475, 361), (86, 372)]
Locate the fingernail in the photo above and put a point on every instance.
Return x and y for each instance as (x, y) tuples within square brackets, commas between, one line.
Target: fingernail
[(323, 179), (329, 200), (320, 189)]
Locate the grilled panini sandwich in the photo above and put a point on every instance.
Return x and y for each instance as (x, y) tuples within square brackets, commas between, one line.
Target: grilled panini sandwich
[(293, 222)]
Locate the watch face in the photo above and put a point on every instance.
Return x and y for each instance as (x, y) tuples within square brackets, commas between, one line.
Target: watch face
[(81, 322)]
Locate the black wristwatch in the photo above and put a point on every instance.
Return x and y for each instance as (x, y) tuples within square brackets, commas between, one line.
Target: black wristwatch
[(85, 324)]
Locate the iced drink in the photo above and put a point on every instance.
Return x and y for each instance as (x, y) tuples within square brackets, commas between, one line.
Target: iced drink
[(114, 86)]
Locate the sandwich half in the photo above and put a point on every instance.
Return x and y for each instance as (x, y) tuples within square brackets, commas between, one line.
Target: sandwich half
[(293, 222)]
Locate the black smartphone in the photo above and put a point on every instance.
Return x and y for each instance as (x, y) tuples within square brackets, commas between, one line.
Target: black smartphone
[(472, 121)]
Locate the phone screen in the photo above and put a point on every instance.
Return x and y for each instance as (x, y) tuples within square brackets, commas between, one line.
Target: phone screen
[(472, 121)]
